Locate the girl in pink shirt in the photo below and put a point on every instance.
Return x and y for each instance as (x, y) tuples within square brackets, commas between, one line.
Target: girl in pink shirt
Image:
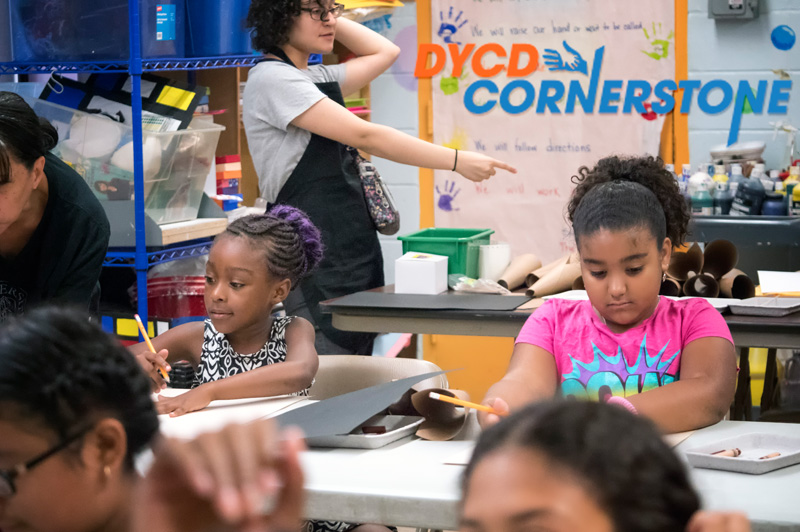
[(672, 361)]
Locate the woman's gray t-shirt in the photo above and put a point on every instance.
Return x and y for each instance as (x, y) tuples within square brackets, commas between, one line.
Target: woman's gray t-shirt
[(275, 94)]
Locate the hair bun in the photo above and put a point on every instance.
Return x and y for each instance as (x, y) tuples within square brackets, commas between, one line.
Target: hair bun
[(49, 135), (305, 229)]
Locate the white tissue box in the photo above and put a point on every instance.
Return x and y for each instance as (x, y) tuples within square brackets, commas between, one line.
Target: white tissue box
[(420, 273)]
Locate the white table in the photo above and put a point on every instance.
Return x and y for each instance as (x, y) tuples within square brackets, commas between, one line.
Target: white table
[(408, 484)]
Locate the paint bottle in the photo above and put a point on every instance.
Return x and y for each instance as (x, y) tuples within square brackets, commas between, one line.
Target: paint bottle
[(698, 178), (794, 172), (723, 199), (748, 199), (773, 205), (702, 202), (683, 184), (736, 176), (789, 185)]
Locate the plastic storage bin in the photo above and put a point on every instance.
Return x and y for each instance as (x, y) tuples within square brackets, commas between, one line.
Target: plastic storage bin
[(460, 246), (175, 163), (217, 27), (93, 30), (175, 297)]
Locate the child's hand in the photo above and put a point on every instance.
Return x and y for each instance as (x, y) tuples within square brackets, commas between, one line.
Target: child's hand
[(195, 399), (477, 167), (718, 522), (485, 419), (151, 362), (224, 481)]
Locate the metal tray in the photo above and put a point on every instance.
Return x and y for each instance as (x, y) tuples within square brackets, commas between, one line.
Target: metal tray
[(753, 446), (397, 427), (766, 306)]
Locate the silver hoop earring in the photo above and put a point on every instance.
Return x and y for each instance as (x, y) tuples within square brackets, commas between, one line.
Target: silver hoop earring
[(663, 276)]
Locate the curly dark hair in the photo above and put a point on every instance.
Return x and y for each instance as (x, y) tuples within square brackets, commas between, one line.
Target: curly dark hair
[(292, 244), (620, 458), (62, 371), (269, 22), (625, 192)]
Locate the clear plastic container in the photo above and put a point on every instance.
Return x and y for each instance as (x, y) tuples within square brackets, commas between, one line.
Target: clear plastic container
[(87, 30), (175, 163)]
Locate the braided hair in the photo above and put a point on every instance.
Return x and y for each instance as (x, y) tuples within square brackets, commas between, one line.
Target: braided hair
[(291, 243), (620, 459), (23, 135), (59, 369), (625, 192)]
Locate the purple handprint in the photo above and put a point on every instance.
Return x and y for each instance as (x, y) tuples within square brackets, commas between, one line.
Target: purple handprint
[(446, 200)]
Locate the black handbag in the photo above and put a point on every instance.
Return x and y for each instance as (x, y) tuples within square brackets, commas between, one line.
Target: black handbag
[(380, 203)]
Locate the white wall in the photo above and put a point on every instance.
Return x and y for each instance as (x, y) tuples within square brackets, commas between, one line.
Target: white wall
[(394, 103), (735, 50)]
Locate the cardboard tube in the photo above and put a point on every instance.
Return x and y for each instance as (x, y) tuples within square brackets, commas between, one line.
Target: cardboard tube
[(682, 263), (670, 287), (537, 274), (737, 284), (702, 285), (515, 274), (719, 258), (558, 280)]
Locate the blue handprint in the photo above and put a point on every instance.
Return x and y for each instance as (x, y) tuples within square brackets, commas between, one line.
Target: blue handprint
[(449, 27), (552, 58), (446, 200)]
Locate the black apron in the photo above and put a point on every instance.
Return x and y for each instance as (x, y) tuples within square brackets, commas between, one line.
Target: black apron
[(327, 187)]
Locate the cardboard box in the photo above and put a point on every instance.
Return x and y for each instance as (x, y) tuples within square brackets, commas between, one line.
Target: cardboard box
[(420, 273)]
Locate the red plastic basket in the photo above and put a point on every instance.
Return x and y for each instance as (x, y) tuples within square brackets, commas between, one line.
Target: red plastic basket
[(176, 297)]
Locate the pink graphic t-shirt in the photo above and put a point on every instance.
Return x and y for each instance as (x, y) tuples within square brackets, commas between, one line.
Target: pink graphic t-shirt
[(591, 359)]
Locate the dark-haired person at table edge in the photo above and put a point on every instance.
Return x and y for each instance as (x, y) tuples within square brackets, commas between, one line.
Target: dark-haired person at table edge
[(53, 231)]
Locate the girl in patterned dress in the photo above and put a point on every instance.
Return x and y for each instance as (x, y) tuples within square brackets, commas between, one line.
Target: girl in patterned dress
[(241, 350)]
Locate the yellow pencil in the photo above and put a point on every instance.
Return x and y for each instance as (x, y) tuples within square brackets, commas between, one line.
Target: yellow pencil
[(149, 344), (461, 402)]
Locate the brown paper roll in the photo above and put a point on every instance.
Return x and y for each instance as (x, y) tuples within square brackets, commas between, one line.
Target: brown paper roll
[(537, 274), (702, 285), (682, 263), (719, 258), (737, 284), (558, 280), (515, 274), (670, 287), (443, 421)]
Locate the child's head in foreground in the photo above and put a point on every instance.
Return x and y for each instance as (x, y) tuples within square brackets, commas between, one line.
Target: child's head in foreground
[(626, 214), (254, 264), (75, 409), (575, 466)]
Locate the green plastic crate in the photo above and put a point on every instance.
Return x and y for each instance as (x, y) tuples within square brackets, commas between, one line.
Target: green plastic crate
[(460, 246)]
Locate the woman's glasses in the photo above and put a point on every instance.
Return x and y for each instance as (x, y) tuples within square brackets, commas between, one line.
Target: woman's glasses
[(320, 13), (8, 476)]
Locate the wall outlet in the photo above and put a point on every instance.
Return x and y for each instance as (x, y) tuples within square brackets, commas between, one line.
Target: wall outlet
[(732, 9)]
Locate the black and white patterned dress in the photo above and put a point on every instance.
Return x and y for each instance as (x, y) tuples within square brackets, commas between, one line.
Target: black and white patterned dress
[(218, 360)]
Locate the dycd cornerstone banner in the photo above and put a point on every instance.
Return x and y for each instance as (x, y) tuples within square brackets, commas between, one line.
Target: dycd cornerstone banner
[(547, 86)]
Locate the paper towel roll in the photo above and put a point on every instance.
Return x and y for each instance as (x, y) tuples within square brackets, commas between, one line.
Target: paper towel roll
[(557, 280), (682, 263), (719, 258), (737, 284), (670, 287), (702, 285), (540, 272), (493, 259), (515, 273)]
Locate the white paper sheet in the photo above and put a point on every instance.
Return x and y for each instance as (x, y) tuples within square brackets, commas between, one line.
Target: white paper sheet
[(774, 282)]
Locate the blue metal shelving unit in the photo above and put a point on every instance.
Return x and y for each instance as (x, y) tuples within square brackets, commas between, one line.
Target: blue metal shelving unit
[(135, 66)]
